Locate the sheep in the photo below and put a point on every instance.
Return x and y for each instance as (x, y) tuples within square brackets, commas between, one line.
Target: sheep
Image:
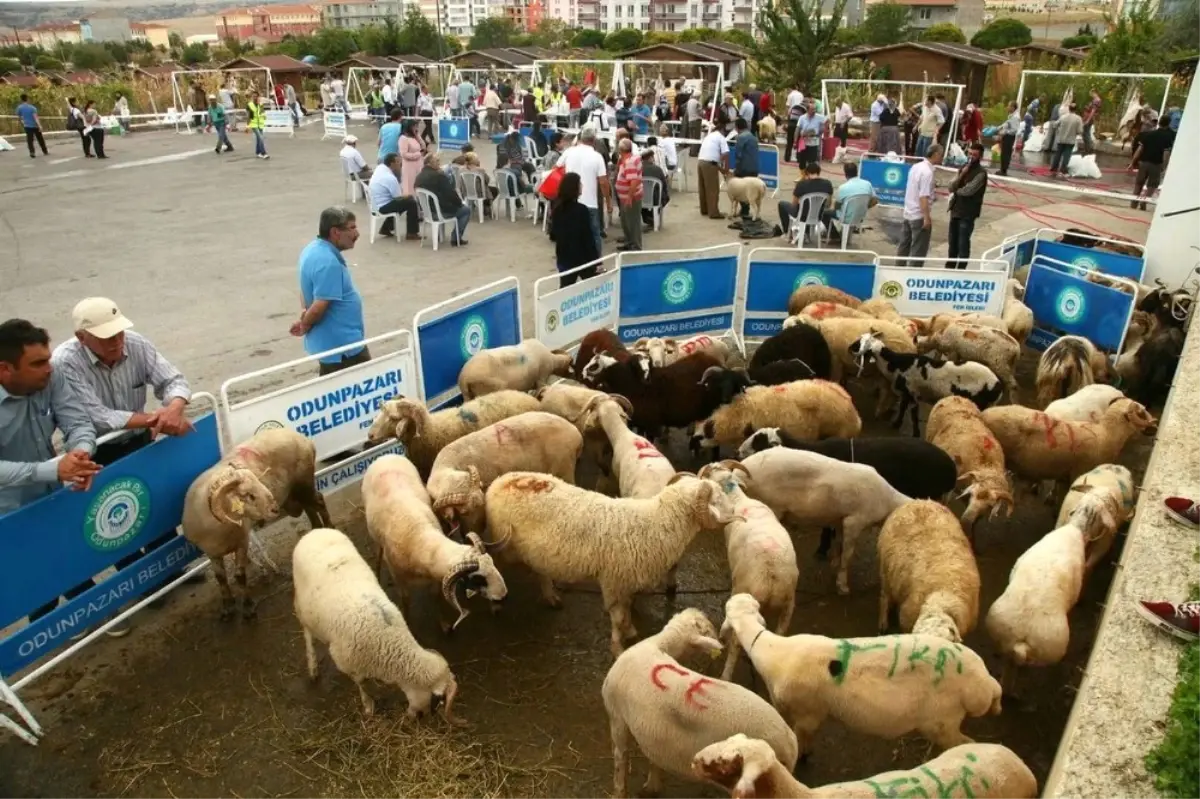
[(806, 409), (666, 351), (1067, 365), (882, 309), (534, 441), (887, 686), (1110, 479), (567, 533), (1028, 622), (272, 472), (939, 322), (839, 334), (669, 398), (1156, 361), (795, 343), (832, 310), (921, 377), (1040, 447), (642, 471), (749, 190), (957, 428), (401, 521), (424, 434), (822, 492), (911, 466), (963, 341), (340, 603), (1016, 315), (568, 399), (672, 712), (806, 295), (1141, 325), (604, 342), (720, 386), (747, 767), (767, 129), (1085, 405), (762, 560), (927, 570), (519, 367)]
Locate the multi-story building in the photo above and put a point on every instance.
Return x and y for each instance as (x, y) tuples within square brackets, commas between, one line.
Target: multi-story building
[(268, 23), (459, 17), (670, 16), (966, 14), (49, 34), (357, 13), (152, 32), (524, 14), (103, 27)]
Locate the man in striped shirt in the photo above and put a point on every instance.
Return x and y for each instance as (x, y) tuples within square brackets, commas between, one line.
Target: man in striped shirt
[(629, 195)]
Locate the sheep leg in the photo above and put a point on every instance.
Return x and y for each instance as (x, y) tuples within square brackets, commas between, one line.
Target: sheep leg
[(785, 615), (947, 734), (733, 650), (850, 533), (622, 625), (653, 784), (915, 414), (904, 401), (549, 595), (310, 652), (242, 557), (884, 608), (672, 581), (218, 565), (367, 700), (827, 534), (620, 749)]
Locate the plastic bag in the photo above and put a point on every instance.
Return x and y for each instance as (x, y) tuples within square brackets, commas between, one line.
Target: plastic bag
[(549, 186), (839, 155), (955, 155), (1036, 142), (1083, 166)]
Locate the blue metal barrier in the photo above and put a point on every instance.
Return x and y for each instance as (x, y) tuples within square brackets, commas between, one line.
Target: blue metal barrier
[(685, 296)]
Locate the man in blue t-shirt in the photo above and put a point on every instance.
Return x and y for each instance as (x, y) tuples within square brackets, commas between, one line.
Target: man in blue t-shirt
[(333, 311), (27, 111), (389, 135), (642, 114)]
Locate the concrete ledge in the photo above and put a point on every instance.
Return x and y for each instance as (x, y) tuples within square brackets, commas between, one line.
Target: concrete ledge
[(1126, 689)]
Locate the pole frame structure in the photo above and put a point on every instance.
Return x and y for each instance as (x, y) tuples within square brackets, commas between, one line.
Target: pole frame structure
[(925, 85), (1085, 75)]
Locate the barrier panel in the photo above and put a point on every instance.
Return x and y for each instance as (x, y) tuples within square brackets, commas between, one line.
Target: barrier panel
[(773, 273), (932, 289), (1064, 303), (1084, 259), (563, 316), (335, 124), (768, 165), (334, 411), (446, 336), (453, 133), (279, 122), (680, 297), (888, 177), (66, 538), (1016, 250)]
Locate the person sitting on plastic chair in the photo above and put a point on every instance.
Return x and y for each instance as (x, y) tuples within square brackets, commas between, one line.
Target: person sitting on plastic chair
[(433, 179), (853, 187)]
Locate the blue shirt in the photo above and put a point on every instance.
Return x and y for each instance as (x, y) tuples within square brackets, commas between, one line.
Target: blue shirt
[(466, 93), (324, 276), (745, 154), (1175, 115), (640, 111), (383, 187), (853, 187), (809, 129), (28, 114), (389, 139)]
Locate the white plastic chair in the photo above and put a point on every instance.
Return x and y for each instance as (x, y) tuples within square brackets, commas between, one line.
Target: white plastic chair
[(354, 186), (473, 190), (377, 219), (530, 150), (680, 174), (431, 217), (654, 193), (510, 192), (808, 215), (854, 213)]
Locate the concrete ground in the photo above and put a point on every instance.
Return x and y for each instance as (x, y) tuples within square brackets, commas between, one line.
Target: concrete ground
[(187, 706)]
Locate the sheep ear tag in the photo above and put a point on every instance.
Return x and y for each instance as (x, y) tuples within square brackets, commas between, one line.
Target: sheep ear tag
[(236, 505), (714, 653), (470, 592)]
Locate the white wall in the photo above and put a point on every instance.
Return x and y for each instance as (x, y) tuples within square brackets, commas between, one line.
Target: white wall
[(1169, 245)]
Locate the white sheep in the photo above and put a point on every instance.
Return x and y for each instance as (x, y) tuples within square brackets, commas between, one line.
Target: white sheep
[(1088, 404), (340, 603), (747, 767), (666, 351), (567, 533), (520, 367), (568, 399), (762, 560), (883, 309), (805, 409), (1110, 479), (827, 310), (927, 570), (749, 190), (995, 349), (956, 426), (672, 712), (817, 491), (530, 442), (641, 470), (424, 434), (401, 521), (939, 322), (805, 295), (887, 686), (272, 472), (1067, 365), (1018, 318), (1028, 622)]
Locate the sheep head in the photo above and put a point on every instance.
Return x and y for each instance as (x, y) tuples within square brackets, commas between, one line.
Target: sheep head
[(988, 491), (689, 631), (1097, 513), (402, 419), (740, 606), (712, 506), (477, 573), (867, 345), (561, 361), (592, 369), (237, 496), (459, 493), (657, 351), (1133, 415), (724, 383), (763, 438), (589, 416), (738, 764), (725, 474)]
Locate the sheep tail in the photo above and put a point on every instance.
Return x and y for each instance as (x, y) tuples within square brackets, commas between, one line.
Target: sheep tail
[(1020, 653)]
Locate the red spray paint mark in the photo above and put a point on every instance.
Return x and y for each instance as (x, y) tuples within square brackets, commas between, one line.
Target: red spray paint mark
[(244, 451), (780, 389), (645, 449), (690, 346), (665, 667), (695, 687), (1049, 424), (502, 432), (534, 485), (1071, 443), (989, 443)]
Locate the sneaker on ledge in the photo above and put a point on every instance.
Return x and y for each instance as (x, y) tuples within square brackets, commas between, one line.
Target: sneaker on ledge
[(1182, 620), (1184, 511)]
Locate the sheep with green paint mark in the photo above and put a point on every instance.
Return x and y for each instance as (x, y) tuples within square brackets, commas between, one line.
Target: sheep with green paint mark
[(887, 686)]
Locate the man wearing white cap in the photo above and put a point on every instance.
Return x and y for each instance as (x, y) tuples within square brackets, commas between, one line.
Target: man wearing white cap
[(352, 160)]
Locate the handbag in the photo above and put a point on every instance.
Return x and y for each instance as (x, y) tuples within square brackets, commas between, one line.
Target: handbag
[(549, 187)]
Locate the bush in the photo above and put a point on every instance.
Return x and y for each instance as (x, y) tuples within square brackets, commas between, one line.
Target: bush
[(47, 63), (9, 65), (1002, 34), (944, 32), (588, 38), (1175, 762), (622, 40)]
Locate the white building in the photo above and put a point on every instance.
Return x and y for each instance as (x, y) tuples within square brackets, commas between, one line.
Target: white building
[(359, 13), (459, 17), (656, 15)]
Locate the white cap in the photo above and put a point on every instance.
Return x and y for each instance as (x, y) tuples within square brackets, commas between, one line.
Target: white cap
[(351, 139), (100, 316)]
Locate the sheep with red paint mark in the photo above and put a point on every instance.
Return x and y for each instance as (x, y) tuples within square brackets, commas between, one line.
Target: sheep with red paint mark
[(671, 712), (669, 397), (807, 295), (1088, 404), (956, 427), (666, 351), (1110, 480)]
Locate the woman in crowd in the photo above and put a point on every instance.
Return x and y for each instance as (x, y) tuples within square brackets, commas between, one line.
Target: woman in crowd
[(571, 230), (91, 118), (412, 154)]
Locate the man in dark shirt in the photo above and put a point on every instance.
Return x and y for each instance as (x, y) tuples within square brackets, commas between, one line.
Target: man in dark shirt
[(745, 157), (1151, 152), (433, 179), (652, 170), (812, 183)]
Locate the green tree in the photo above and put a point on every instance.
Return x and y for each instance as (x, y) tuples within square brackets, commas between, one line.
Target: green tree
[(493, 32), (91, 55), (797, 38), (944, 32), (331, 45), (699, 35), (521, 40), (588, 38), (1133, 45), (1002, 34), (25, 53), (660, 37), (453, 45), (1181, 31), (551, 33), (848, 38), (146, 59), (1079, 40), (176, 42), (623, 39), (418, 36), (9, 65), (46, 63), (739, 37), (194, 53), (885, 23), (380, 40)]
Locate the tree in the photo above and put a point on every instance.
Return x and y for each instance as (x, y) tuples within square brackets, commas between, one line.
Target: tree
[(588, 38), (91, 56), (797, 39), (553, 34), (623, 39), (380, 40), (1079, 40), (118, 51), (9, 65), (47, 63), (699, 35), (885, 23), (1133, 45), (1181, 33), (944, 32), (738, 36), (331, 45), (848, 38), (659, 37), (1002, 34), (175, 40), (521, 40), (418, 35), (493, 32), (194, 53)]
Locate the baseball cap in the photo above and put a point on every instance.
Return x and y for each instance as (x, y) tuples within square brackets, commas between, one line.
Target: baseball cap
[(212, 97), (100, 316), (350, 140)]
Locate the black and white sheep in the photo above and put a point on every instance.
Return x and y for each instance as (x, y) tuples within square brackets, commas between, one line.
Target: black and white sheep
[(605, 342)]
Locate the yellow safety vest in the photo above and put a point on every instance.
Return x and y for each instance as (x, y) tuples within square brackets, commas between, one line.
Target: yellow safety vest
[(537, 98), (258, 119)]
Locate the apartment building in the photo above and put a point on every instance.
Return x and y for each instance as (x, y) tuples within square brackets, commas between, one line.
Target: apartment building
[(49, 34), (268, 23), (152, 32), (525, 14), (657, 15), (966, 14), (358, 13), (459, 17)]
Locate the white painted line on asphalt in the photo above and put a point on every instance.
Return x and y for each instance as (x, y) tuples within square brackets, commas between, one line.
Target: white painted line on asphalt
[(160, 159), (65, 160)]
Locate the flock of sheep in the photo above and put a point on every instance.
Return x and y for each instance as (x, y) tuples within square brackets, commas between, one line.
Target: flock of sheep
[(492, 484)]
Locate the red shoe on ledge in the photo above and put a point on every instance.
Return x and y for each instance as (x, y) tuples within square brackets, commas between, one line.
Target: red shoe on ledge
[(1184, 511), (1181, 621)]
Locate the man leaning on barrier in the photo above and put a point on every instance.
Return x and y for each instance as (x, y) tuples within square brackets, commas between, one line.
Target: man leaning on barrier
[(34, 400)]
